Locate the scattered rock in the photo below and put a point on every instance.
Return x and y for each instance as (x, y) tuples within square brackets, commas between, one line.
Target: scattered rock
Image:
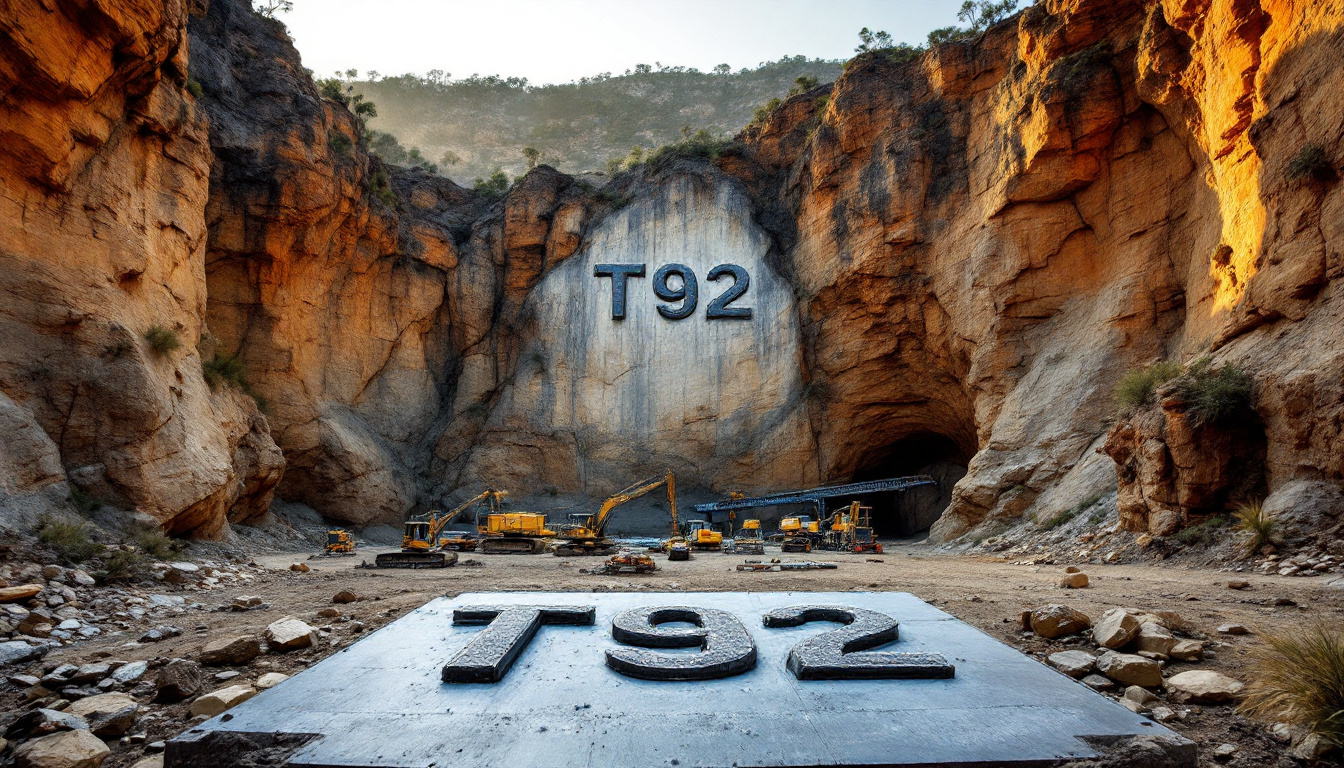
[(1224, 752), (43, 722), (1238, 585), (1075, 664), (160, 633), (1155, 638), (89, 673), (83, 579), (1187, 650), (20, 592), (1164, 714), (153, 761), (244, 602), (1098, 683), (230, 651), (1130, 669), (270, 680), (345, 596), (16, 651), (215, 702), (1233, 629), (1072, 569), (129, 673), (1202, 686), (1281, 733), (1313, 747), (227, 675), (1284, 602), (299, 567), (178, 679), (1140, 695), (1116, 629), (109, 714), (1074, 581), (290, 633), (1055, 620), (329, 613), (71, 749)]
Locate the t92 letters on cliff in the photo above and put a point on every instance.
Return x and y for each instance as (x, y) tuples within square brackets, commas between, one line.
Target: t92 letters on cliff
[(677, 284)]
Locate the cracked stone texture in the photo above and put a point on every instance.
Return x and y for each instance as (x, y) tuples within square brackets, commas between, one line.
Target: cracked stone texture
[(726, 648), (491, 653)]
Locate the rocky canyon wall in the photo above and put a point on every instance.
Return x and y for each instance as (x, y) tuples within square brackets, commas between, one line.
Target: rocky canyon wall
[(953, 259)]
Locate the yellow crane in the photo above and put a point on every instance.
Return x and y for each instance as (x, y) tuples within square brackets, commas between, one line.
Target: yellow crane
[(421, 536), (590, 536)]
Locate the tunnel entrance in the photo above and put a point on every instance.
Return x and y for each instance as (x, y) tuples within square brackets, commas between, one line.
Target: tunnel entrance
[(910, 513)]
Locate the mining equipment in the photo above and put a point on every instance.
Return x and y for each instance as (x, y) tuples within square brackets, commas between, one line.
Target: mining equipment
[(748, 539), (518, 533), (851, 530), (628, 562), (590, 536), (421, 536), (339, 543), (701, 536), (799, 534)]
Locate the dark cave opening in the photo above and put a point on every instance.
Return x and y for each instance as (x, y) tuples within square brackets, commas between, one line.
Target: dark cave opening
[(909, 514)]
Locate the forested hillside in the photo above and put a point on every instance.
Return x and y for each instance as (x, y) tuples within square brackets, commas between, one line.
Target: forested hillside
[(472, 126)]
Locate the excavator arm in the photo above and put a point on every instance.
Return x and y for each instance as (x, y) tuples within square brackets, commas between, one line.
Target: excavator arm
[(598, 523), (439, 524)]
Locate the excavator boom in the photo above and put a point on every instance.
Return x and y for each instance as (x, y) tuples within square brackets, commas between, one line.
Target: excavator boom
[(591, 538)]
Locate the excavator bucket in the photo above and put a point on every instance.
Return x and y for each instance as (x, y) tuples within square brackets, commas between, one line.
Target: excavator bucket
[(416, 559)]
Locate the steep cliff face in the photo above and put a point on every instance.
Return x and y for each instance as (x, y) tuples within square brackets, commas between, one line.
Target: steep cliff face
[(990, 235), (103, 177), (952, 260)]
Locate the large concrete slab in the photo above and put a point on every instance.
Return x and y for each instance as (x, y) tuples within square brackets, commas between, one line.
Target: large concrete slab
[(381, 702)]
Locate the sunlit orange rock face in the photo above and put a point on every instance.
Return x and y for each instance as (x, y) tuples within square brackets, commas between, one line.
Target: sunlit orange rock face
[(104, 171), (989, 236), (977, 244)]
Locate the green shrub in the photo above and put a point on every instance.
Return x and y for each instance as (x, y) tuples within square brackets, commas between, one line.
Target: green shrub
[(802, 84), (763, 113), (1297, 676), (495, 186), (121, 565), (1252, 519), (69, 541), (228, 369), (1139, 387), (194, 88), (340, 144), (1203, 533), (1215, 395), (156, 544), (701, 144), (381, 187), (162, 340), (1311, 162), (82, 501)]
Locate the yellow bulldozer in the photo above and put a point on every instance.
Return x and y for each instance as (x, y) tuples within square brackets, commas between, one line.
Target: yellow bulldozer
[(523, 533), (590, 536), (420, 537)]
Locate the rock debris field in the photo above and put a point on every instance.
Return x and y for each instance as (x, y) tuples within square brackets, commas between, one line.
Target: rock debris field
[(102, 675)]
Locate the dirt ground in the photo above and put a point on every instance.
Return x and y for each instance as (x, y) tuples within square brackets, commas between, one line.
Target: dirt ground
[(987, 593)]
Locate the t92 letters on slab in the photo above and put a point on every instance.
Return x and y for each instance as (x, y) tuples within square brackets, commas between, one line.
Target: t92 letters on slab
[(677, 285)]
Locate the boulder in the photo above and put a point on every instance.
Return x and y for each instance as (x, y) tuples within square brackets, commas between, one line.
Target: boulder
[(1098, 682), (299, 567), (20, 592), (42, 722), (1233, 629), (1130, 669), (345, 596), (1116, 629), (1155, 638), (230, 651), (70, 749), (1237, 584), (1139, 695), (215, 702), (153, 761), (290, 633), (270, 680), (177, 680), (129, 673), (1055, 620), (89, 673), (16, 651), (82, 579), (1074, 581), (1187, 650), (1203, 686), (108, 715), (160, 633), (1075, 664)]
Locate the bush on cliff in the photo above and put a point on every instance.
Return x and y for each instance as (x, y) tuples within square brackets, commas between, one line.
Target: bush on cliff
[(493, 186), (228, 369), (702, 144), (1215, 395), (162, 340), (1139, 387), (1311, 162)]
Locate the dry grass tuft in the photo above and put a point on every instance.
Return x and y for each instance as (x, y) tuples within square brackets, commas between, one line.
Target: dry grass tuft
[(1253, 520), (1299, 678)]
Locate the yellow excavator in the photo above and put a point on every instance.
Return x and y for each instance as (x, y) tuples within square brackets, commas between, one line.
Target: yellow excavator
[(523, 533), (851, 530), (676, 546), (748, 540), (799, 533), (702, 536), (420, 537), (590, 536)]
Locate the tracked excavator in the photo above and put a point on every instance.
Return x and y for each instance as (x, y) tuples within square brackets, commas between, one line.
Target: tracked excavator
[(421, 536), (590, 536), (851, 530), (519, 533)]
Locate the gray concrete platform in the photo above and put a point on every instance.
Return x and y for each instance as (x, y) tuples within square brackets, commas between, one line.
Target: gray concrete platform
[(382, 703)]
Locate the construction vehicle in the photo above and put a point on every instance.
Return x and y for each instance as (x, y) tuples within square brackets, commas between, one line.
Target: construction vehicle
[(627, 562), (519, 533), (701, 536), (421, 536), (589, 537), (799, 533), (748, 540), (851, 530), (339, 543)]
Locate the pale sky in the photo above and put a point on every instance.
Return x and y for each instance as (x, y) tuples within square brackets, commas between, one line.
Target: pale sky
[(555, 41)]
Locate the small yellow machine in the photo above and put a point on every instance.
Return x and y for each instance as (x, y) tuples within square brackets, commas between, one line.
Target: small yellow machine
[(339, 542), (420, 537), (701, 536), (522, 533), (590, 536), (851, 530), (799, 533), (748, 539)]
